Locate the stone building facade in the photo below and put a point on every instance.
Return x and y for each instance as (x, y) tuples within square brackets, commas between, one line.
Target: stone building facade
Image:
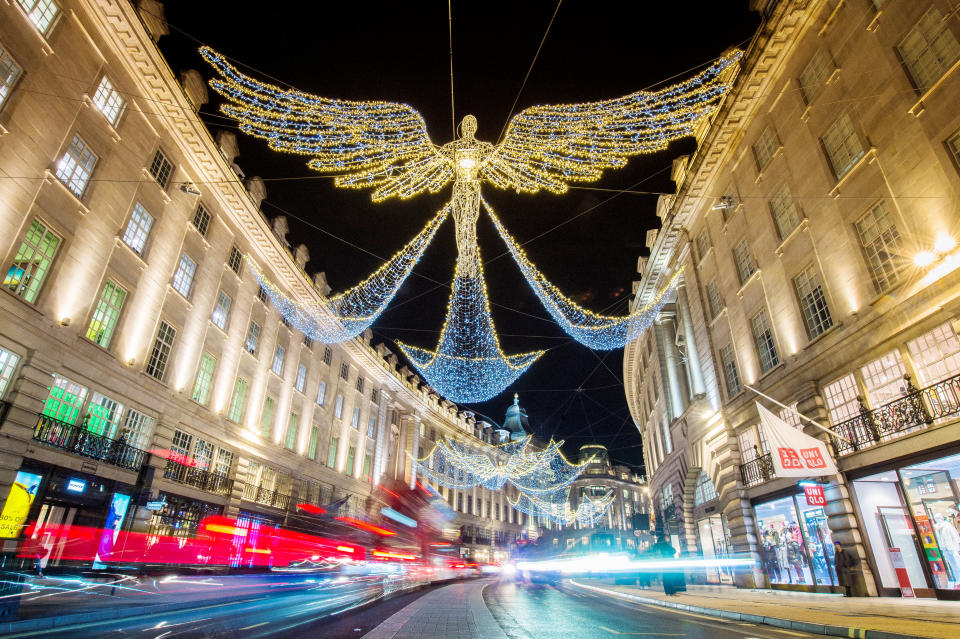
[(815, 228), (138, 355)]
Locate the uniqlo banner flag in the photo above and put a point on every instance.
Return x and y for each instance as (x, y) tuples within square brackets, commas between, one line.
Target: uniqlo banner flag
[(794, 453)]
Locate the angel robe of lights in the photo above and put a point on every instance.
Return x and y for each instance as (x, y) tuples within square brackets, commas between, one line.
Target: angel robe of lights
[(384, 146)]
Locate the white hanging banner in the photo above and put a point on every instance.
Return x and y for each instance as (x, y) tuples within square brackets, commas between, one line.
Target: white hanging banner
[(794, 453)]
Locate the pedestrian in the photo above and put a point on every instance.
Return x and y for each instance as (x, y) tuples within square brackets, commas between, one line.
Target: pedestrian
[(845, 562), (673, 582)]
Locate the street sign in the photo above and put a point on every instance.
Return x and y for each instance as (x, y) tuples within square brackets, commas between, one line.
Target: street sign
[(814, 495)]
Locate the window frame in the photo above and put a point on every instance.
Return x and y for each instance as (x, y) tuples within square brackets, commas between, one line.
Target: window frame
[(24, 288), (160, 367), (201, 220), (221, 311), (68, 177), (112, 322), (135, 229), (109, 102), (180, 275), (52, 21), (6, 90), (158, 163)]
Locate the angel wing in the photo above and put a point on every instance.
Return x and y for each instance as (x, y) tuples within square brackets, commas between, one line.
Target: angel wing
[(378, 145), (546, 147)]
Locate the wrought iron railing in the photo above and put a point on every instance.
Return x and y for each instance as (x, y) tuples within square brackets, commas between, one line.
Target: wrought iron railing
[(918, 408), (216, 483), (77, 439), (261, 495), (756, 471)]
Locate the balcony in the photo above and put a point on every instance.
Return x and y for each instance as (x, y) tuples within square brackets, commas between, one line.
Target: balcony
[(917, 409), (215, 483), (756, 471), (86, 443), (261, 495)]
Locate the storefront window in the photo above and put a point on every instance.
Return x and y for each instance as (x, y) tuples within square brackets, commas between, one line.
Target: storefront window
[(784, 543), (932, 494), (713, 544)]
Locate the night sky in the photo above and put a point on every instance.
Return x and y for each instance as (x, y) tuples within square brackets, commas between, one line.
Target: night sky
[(586, 241)]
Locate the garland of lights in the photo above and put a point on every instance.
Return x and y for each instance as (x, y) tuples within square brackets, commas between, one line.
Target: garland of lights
[(543, 477), (384, 146), (349, 313), (556, 507), (600, 332)]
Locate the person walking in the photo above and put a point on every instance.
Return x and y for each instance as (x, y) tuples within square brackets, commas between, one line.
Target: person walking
[(845, 562), (673, 582)]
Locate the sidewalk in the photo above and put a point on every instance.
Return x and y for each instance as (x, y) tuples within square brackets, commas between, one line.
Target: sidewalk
[(456, 611), (895, 615)]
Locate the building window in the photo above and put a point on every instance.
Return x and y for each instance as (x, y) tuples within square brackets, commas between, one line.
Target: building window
[(785, 213), (813, 303), (713, 297), (266, 416), (764, 148), (374, 395), (42, 13), (729, 362), (314, 441), (936, 355), (355, 420), (763, 337), (157, 364), (344, 371), (161, 169), (9, 74), (703, 245), (841, 397), (791, 415), (308, 341), (204, 382), (137, 429), (746, 266), (65, 400), (351, 460), (301, 382), (239, 400), (8, 363), (706, 491), (107, 313), (371, 426), (359, 384), (221, 311), (953, 145), (880, 240), (278, 354), (285, 320), (338, 408), (32, 262), (253, 338), (883, 378), (108, 101), (103, 415), (815, 75), (183, 277), (262, 294), (235, 259), (327, 355), (367, 466), (292, 427), (76, 166), (322, 393), (842, 145), (332, 452), (929, 50), (201, 220), (138, 229)]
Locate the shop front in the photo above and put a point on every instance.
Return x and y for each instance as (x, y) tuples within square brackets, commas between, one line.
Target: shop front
[(911, 518), (714, 543), (796, 547)]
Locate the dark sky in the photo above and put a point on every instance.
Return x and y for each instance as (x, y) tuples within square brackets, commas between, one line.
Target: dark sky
[(399, 51)]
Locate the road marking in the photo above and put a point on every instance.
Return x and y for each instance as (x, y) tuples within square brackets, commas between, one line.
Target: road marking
[(256, 625), (656, 634)]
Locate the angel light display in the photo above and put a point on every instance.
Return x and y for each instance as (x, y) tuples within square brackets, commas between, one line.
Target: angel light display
[(384, 146)]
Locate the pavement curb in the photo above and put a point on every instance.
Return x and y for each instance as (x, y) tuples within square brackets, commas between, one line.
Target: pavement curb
[(777, 622)]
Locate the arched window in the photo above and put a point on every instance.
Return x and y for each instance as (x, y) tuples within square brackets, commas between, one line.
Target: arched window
[(706, 491)]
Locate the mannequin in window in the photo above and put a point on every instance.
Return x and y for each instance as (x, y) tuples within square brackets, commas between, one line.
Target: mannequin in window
[(949, 541)]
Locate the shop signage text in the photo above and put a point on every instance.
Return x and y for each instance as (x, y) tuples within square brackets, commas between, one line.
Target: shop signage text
[(815, 496)]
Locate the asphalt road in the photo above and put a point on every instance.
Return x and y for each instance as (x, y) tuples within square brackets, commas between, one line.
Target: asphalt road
[(337, 611)]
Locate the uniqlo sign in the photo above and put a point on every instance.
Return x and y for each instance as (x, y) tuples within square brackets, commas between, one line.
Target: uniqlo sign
[(815, 496)]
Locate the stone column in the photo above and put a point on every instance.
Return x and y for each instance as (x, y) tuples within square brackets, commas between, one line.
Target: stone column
[(381, 447), (414, 451), (666, 344), (841, 516), (689, 338)]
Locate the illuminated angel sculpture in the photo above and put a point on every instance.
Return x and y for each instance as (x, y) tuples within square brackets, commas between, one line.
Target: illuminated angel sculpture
[(384, 146)]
